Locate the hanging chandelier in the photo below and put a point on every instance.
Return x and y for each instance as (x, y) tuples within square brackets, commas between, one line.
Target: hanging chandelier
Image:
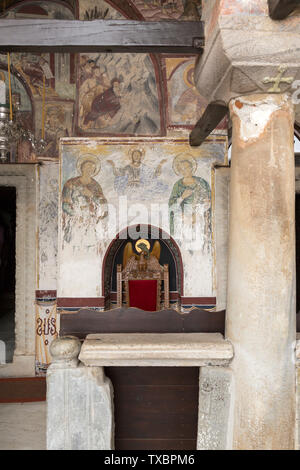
[(11, 132)]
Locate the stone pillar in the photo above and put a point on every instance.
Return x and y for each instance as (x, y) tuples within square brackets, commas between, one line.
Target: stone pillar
[(297, 446), (215, 400), (261, 272), (79, 401)]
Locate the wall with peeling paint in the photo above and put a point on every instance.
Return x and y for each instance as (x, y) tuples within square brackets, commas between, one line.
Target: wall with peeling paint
[(158, 185)]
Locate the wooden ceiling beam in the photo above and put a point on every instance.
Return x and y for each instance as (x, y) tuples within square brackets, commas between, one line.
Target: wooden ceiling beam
[(211, 117), (281, 9), (185, 37)]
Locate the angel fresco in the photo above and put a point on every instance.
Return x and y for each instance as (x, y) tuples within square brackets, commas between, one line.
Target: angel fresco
[(145, 260), (137, 175), (83, 204), (190, 202)]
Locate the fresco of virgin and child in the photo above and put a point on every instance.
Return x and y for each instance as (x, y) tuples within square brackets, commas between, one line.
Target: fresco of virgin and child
[(83, 204), (190, 204)]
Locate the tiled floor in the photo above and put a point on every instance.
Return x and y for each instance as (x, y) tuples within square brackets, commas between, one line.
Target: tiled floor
[(23, 426)]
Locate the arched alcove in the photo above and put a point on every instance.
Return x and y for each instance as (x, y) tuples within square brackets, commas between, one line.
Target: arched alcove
[(21, 95), (170, 254)]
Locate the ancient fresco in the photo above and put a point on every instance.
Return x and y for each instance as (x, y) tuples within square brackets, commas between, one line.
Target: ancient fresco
[(242, 7), (102, 10), (185, 104), (33, 68), (84, 206), (58, 123), (156, 10), (42, 9), (117, 93), (57, 70), (150, 10), (137, 175), (48, 226), (190, 201), (108, 185)]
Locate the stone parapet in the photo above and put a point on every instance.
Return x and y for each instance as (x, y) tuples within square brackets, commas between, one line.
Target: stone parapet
[(168, 349)]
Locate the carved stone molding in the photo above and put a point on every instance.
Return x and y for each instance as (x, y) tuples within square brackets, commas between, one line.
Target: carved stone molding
[(266, 60)]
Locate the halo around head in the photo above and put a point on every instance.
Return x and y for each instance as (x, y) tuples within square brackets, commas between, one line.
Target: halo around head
[(188, 75), (140, 150), (142, 240), (89, 158), (181, 158)]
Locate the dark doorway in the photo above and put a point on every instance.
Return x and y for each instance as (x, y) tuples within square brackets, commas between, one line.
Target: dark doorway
[(7, 268)]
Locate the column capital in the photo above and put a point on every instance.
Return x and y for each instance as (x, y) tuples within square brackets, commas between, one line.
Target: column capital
[(254, 112), (65, 351), (246, 52)]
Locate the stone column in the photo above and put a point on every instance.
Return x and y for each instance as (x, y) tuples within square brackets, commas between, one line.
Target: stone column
[(215, 399), (297, 446), (79, 401), (261, 272)]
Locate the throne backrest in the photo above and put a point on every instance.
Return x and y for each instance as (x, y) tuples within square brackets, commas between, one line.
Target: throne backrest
[(142, 269)]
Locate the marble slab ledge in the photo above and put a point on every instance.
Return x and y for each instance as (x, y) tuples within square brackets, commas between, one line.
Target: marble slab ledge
[(156, 349)]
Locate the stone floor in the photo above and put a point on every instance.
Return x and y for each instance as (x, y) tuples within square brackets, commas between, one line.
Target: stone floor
[(23, 426)]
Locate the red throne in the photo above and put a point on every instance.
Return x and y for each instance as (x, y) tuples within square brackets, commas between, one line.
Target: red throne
[(141, 280), (143, 294)]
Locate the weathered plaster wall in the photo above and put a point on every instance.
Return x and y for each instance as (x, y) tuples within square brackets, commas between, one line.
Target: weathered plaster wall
[(153, 96), (48, 226), (134, 196)]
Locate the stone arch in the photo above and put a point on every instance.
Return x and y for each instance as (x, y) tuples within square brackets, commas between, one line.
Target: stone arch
[(17, 76), (119, 241)]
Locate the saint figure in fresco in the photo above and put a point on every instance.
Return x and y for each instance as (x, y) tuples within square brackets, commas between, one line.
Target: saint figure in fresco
[(136, 175), (55, 128), (83, 204), (190, 104), (190, 203)]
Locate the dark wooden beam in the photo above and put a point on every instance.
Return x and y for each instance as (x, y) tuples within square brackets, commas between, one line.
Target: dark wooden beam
[(281, 9), (211, 117), (297, 130), (185, 37)]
